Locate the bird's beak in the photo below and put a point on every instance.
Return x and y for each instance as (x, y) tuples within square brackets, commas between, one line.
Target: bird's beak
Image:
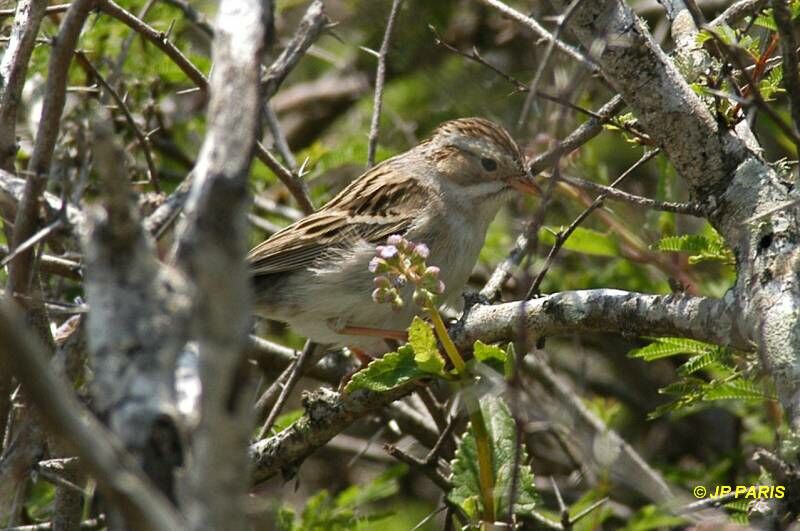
[(526, 184)]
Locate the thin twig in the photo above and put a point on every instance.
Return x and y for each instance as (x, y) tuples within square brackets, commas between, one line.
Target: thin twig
[(690, 209), (40, 235), (144, 141), (519, 86), (562, 507), (262, 224), (26, 222), (49, 10), (585, 132), (296, 185), (444, 437), (565, 234), (270, 206), (380, 78), (297, 371), (158, 38), (55, 265), (586, 512), (311, 26), (194, 16), (525, 243), (277, 134), (788, 43), (537, 28), (116, 71), (430, 470), (534, 86), (93, 523), (737, 11), (707, 503), (752, 83)]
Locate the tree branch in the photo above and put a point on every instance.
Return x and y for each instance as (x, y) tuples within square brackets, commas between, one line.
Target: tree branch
[(14, 66), (138, 322), (380, 77), (604, 310), (99, 450), (212, 249), (570, 312)]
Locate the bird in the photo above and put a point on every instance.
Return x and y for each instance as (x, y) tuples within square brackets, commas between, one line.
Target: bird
[(443, 193)]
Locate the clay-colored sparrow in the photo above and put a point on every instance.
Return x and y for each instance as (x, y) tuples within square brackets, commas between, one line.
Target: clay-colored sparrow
[(444, 192)]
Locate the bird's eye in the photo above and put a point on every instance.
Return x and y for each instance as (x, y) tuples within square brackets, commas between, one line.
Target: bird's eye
[(488, 164)]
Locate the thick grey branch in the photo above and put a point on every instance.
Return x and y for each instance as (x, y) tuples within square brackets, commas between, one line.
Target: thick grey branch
[(724, 173), (604, 310), (100, 451), (13, 68), (212, 250), (670, 112), (137, 323)]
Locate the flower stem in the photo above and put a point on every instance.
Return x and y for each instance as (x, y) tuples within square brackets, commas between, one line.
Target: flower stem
[(449, 346), (482, 446), (485, 471)]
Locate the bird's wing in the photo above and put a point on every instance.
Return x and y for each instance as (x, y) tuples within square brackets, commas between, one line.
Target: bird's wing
[(371, 208)]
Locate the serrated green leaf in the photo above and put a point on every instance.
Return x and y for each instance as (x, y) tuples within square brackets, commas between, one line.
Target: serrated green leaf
[(670, 346), (426, 351), (491, 355), (585, 241), (686, 386), (501, 428), (701, 361), (388, 372), (692, 243), (739, 389)]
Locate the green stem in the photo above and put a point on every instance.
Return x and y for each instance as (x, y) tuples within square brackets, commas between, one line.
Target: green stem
[(485, 471), (449, 346)]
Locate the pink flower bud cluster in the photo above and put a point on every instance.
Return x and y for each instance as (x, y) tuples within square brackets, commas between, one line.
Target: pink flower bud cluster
[(398, 263)]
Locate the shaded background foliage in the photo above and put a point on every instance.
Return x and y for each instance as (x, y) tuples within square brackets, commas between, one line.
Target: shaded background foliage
[(325, 107)]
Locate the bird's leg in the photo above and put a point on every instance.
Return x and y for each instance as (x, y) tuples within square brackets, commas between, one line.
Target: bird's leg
[(361, 355)]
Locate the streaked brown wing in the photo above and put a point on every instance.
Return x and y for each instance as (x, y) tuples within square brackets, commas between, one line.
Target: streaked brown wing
[(369, 208)]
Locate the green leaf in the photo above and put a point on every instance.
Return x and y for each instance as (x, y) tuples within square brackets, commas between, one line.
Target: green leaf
[(670, 346), (703, 247), (345, 512), (738, 389), (383, 486), (585, 241), (651, 517), (287, 419), (491, 355), (502, 436), (388, 372), (426, 351), (285, 519), (701, 361)]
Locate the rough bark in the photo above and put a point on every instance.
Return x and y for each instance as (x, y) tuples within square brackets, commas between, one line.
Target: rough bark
[(212, 250), (133, 363), (720, 170)]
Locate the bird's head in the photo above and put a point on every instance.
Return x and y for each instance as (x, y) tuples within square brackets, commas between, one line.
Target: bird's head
[(480, 158)]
